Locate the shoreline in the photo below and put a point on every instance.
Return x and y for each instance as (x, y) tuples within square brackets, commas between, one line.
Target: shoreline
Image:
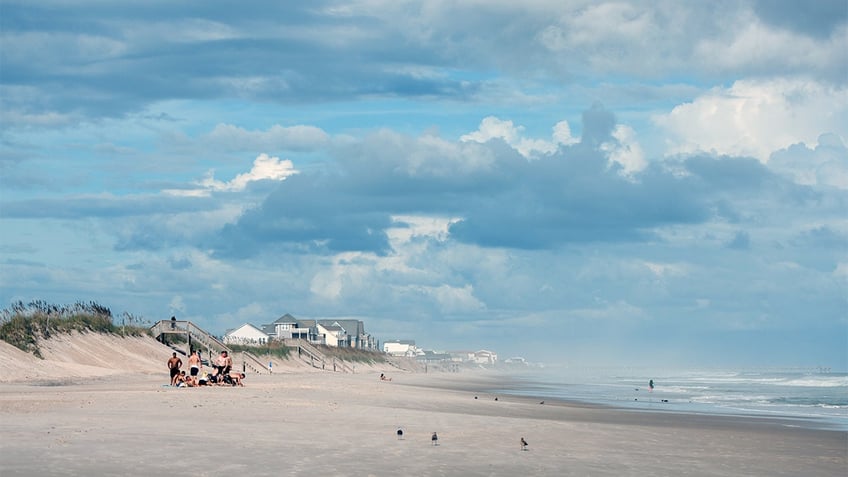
[(516, 384), (489, 385)]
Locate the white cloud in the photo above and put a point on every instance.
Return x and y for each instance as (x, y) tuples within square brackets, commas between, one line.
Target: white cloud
[(264, 167), (177, 305), (455, 299), (756, 117), (492, 127), (749, 44), (625, 151)]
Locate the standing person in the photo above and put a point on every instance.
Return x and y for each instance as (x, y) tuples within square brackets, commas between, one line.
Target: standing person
[(174, 364), (223, 364), (194, 364)]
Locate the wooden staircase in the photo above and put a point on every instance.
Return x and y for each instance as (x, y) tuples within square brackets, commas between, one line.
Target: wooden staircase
[(198, 339), (317, 359)]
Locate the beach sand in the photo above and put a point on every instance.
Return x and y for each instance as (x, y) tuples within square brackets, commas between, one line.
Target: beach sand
[(301, 422)]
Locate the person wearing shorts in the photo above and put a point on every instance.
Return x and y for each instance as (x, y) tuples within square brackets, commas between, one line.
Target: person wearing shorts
[(174, 364), (223, 364), (194, 364)]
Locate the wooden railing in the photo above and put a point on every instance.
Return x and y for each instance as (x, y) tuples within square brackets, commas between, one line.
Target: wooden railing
[(213, 345), (308, 352)]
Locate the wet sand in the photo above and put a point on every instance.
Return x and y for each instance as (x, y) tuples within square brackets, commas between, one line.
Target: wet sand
[(327, 424)]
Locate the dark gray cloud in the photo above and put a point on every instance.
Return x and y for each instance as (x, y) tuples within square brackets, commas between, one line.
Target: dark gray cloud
[(94, 60), (567, 197), (818, 18)]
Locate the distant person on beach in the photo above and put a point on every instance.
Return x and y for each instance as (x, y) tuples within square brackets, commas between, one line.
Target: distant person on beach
[(174, 364), (384, 378), (194, 364), (223, 364), (651, 386), (237, 379)]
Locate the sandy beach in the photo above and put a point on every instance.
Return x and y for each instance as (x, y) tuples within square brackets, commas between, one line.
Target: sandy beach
[(302, 422)]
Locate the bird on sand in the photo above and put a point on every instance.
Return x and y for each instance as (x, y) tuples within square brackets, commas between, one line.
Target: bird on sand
[(523, 444)]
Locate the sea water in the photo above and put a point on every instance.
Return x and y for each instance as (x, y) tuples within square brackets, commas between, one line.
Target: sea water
[(814, 397)]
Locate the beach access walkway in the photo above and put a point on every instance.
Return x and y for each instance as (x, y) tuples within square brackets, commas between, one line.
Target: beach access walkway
[(198, 338)]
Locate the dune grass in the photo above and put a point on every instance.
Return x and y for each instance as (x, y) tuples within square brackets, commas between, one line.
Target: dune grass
[(23, 325)]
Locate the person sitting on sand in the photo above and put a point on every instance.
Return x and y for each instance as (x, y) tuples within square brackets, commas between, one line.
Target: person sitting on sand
[(384, 378), (181, 380), (174, 364)]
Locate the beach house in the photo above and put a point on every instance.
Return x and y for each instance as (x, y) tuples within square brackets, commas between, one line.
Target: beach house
[(343, 333), (400, 348), (246, 334)]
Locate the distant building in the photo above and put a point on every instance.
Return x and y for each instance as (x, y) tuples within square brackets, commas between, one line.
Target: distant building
[(485, 357), (400, 348), (429, 356), (246, 334), (343, 333)]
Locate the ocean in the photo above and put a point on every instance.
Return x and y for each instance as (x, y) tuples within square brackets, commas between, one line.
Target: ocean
[(815, 398)]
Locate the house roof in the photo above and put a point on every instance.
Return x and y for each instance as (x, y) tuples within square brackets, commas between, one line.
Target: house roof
[(229, 332), (287, 318)]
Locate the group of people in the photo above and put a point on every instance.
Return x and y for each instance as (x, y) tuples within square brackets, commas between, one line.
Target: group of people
[(221, 375)]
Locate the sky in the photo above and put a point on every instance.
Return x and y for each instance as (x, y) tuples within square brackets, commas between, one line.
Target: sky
[(622, 183)]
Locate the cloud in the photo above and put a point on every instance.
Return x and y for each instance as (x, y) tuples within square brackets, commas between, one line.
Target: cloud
[(756, 117), (275, 138), (494, 128), (825, 164), (264, 168), (599, 190)]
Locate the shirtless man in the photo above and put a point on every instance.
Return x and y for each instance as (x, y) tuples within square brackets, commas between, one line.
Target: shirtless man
[(194, 364), (223, 364), (174, 364), (237, 379)]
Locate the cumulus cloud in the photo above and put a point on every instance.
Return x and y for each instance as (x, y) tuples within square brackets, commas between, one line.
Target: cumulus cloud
[(503, 200), (495, 128), (756, 117), (824, 164), (264, 167)]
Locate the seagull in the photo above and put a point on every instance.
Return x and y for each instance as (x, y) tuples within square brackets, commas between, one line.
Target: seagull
[(523, 444)]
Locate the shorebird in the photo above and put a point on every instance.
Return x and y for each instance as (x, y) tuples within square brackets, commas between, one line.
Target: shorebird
[(523, 444), (435, 439)]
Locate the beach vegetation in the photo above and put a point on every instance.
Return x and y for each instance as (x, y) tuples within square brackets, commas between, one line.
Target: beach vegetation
[(275, 349), (353, 354), (23, 324)]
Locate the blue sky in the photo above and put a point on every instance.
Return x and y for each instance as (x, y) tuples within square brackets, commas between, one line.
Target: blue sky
[(577, 182)]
